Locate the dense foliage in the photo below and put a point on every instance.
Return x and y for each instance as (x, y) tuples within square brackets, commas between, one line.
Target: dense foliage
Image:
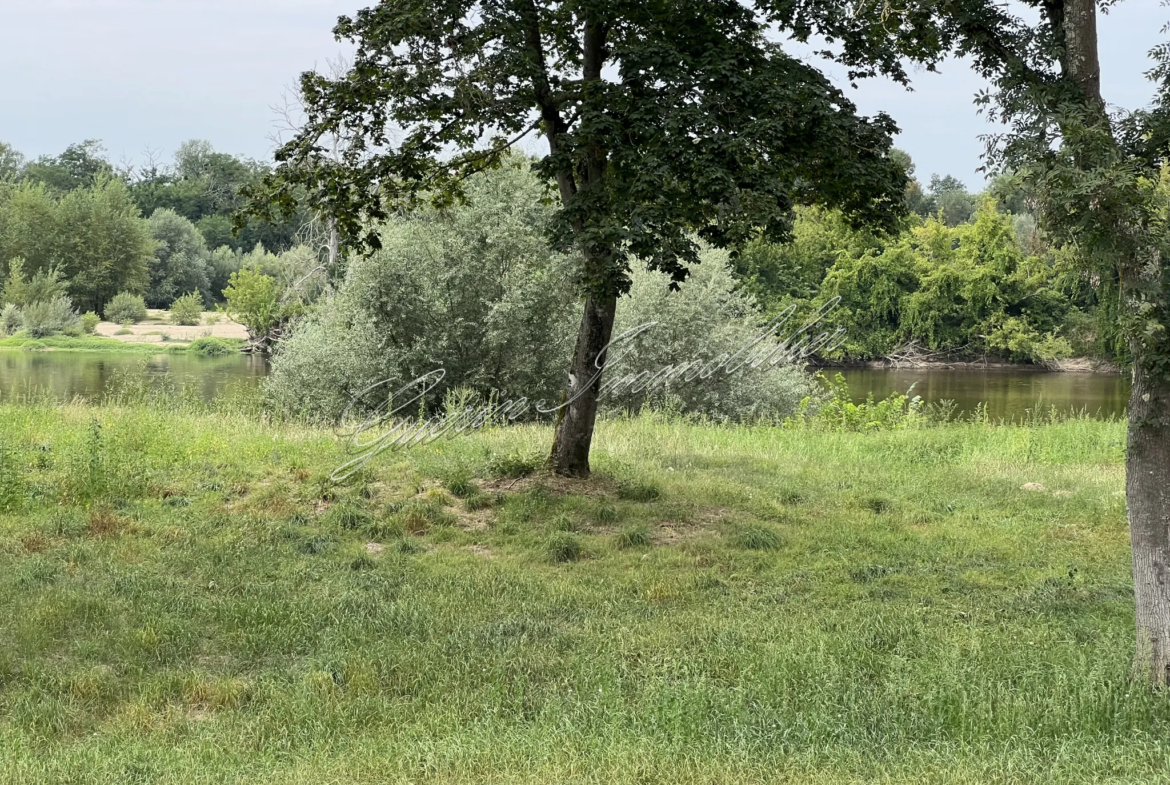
[(989, 286), (474, 290), (86, 230), (181, 261)]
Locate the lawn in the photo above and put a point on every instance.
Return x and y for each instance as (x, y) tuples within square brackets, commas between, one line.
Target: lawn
[(184, 598)]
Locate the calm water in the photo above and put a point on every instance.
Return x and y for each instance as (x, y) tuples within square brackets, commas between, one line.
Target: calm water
[(1008, 394), (85, 374)]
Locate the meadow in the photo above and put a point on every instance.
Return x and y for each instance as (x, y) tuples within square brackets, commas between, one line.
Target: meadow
[(185, 598)]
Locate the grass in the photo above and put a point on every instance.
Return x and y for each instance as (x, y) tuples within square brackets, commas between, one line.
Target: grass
[(185, 599), (96, 343)]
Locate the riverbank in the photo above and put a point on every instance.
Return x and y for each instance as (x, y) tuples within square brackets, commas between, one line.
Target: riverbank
[(157, 328), (98, 343), (1069, 365), (716, 605)]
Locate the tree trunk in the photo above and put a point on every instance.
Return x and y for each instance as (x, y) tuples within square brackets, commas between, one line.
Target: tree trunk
[(334, 246), (574, 433), (1147, 492)]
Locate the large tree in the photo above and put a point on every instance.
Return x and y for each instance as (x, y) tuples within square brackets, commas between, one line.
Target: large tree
[(663, 121), (1100, 179)]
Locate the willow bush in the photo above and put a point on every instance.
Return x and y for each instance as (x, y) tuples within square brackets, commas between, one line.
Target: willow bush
[(474, 290)]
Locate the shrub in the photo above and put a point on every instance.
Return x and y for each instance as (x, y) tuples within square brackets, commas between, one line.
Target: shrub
[(50, 317), (473, 289), (126, 308), (89, 322), (213, 347), (187, 309), (46, 285), (10, 319), (252, 300), (839, 413), (15, 289), (707, 317)]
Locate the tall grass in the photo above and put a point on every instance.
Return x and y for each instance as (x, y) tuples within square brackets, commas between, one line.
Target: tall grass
[(184, 598)]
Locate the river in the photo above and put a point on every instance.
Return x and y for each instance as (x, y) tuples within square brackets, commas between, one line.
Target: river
[(1010, 394), (65, 375), (1007, 393)]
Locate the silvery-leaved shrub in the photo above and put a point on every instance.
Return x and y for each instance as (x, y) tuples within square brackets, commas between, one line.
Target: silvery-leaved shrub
[(10, 319), (705, 318), (50, 317), (473, 290)]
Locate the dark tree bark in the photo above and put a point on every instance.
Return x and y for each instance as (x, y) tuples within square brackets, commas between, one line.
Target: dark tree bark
[(574, 432)]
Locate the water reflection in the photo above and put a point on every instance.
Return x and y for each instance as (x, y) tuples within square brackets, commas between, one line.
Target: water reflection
[(65, 375), (1008, 394)]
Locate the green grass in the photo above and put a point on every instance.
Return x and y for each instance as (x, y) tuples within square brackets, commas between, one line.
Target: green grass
[(97, 343), (185, 599)]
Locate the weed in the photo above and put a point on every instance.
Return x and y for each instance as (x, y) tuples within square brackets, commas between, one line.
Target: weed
[(514, 465), (754, 537), (460, 484), (636, 536), (482, 501), (606, 514), (639, 491), (563, 547)]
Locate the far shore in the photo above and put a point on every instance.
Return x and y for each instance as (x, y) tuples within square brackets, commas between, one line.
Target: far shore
[(1071, 365), (157, 328)]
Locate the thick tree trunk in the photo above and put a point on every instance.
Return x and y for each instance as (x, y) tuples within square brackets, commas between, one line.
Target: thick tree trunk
[(574, 433), (1147, 492)]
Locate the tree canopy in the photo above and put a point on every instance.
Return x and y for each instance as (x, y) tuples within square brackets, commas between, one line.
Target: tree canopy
[(665, 123)]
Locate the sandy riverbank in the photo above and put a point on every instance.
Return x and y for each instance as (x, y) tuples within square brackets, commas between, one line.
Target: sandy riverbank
[(158, 325)]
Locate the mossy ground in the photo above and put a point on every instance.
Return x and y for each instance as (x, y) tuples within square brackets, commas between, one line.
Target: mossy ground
[(184, 598)]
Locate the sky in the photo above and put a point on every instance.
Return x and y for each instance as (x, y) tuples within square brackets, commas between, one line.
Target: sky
[(141, 74)]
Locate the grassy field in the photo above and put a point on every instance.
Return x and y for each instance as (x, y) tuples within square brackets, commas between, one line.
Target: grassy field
[(185, 599)]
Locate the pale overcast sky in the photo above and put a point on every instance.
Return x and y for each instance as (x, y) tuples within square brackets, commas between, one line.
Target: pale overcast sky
[(139, 73)]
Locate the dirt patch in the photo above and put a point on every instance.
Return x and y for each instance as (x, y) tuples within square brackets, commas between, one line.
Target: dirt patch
[(104, 523), (374, 547), (675, 532), (477, 520), (481, 550), (34, 542), (595, 486)]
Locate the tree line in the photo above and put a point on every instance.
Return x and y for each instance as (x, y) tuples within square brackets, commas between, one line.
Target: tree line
[(962, 276), (161, 232)]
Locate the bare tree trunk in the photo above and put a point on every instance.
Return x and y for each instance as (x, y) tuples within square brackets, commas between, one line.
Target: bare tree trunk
[(334, 246), (574, 433), (1147, 493)]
